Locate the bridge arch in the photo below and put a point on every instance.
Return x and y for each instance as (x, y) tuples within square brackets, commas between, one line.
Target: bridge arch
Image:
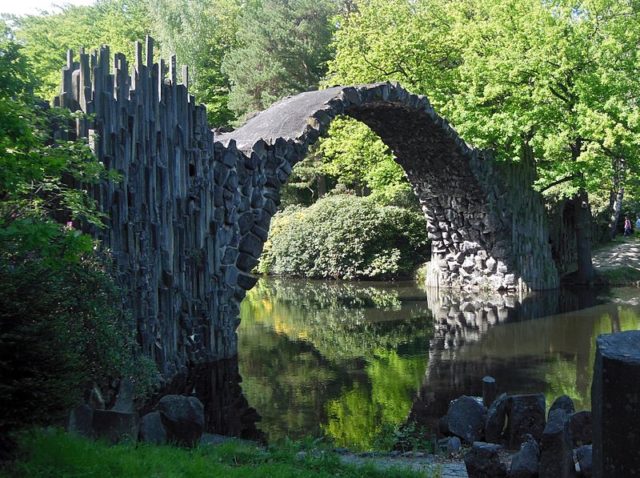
[(486, 224)]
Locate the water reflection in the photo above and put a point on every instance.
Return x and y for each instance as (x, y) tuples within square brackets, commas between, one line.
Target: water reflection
[(352, 361)]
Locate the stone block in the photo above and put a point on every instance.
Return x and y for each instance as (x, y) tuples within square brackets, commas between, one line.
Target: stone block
[(81, 421), (524, 464), (114, 426), (183, 418), (525, 415), (483, 461), (556, 459), (466, 417), (496, 419), (489, 390), (615, 403), (564, 402), (584, 457), (580, 428), (152, 430)]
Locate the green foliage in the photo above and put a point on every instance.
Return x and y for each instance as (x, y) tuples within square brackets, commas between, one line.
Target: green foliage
[(59, 454), (345, 237), (283, 49)]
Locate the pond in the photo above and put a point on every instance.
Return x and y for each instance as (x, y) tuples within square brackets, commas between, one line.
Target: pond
[(352, 361)]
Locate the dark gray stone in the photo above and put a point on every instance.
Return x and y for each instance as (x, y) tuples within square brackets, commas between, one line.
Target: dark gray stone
[(564, 402), (483, 461), (496, 419), (450, 444), (96, 401), (524, 464), (81, 421), (124, 399), (114, 426), (556, 459), (525, 415), (584, 457), (152, 430), (489, 390), (580, 428), (466, 417), (615, 403), (183, 418)]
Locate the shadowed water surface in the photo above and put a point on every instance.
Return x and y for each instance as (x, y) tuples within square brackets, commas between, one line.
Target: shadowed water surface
[(351, 361)]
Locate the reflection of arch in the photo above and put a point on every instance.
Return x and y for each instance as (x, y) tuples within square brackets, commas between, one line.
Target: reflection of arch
[(485, 223)]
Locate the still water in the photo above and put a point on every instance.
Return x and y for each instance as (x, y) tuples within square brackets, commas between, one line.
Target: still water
[(351, 361)]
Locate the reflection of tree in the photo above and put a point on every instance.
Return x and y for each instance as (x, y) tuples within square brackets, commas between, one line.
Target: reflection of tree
[(342, 359)]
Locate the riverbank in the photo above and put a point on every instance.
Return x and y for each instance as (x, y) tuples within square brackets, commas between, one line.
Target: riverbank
[(618, 262)]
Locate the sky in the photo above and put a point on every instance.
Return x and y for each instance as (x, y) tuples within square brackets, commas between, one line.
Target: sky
[(22, 7)]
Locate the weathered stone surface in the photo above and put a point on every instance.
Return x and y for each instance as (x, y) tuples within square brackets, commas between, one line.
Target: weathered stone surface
[(81, 421), (584, 457), (114, 426), (555, 447), (483, 461), (124, 399), (525, 415), (615, 403), (183, 418), (564, 402), (96, 401), (465, 418), (489, 390), (496, 419), (152, 430), (524, 464), (450, 444), (580, 428)]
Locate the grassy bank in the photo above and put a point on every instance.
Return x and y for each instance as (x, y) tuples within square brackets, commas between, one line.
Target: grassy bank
[(58, 454)]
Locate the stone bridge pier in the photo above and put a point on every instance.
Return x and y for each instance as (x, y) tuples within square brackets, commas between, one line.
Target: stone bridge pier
[(486, 224)]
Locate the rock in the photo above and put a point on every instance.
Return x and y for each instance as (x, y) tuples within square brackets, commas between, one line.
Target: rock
[(564, 402), (556, 460), (482, 461), (183, 418), (584, 456), (450, 444), (524, 464), (580, 428), (152, 430), (615, 403), (525, 414), (114, 426), (96, 401), (124, 399), (496, 419), (81, 421), (466, 418), (489, 391)]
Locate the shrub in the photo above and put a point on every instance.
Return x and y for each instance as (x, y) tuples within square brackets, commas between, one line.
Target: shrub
[(345, 237)]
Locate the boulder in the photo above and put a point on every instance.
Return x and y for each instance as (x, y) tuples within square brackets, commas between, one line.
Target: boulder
[(524, 464), (585, 461), (580, 428), (496, 419), (81, 421), (615, 403), (466, 417), (525, 415), (124, 399), (96, 401), (183, 418), (556, 459), (564, 402), (483, 461), (450, 445), (152, 430), (114, 426)]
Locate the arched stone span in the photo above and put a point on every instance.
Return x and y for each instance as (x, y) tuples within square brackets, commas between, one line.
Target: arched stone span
[(486, 224)]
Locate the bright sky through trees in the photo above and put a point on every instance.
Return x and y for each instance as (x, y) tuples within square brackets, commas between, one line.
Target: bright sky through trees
[(32, 7)]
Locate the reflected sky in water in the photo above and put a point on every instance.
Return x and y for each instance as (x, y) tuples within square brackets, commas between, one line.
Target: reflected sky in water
[(351, 361)]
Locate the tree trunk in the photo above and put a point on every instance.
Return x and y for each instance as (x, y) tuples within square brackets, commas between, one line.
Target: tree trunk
[(583, 237), (322, 185), (615, 212)]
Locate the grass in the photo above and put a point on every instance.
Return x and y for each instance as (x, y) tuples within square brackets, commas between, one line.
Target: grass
[(53, 453), (620, 276)]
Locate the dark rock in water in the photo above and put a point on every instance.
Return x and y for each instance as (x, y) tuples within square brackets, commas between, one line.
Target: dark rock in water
[(466, 417), (525, 415), (496, 419), (483, 461), (615, 402), (585, 461), (183, 418), (152, 430), (564, 402), (81, 421), (114, 426), (489, 390), (580, 428), (556, 458), (524, 464)]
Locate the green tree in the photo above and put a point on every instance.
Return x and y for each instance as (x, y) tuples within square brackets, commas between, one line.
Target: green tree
[(283, 49)]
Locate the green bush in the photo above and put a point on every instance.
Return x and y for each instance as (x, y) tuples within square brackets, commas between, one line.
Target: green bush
[(345, 237)]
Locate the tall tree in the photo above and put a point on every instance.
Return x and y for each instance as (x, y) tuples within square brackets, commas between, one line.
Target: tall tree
[(283, 49)]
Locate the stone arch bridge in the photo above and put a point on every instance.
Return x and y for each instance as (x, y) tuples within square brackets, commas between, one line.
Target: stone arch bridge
[(189, 218)]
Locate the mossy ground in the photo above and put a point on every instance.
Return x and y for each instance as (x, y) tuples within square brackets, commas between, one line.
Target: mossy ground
[(53, 453)]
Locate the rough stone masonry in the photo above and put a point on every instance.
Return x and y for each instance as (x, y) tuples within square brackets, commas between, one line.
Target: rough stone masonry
[(188, 219)]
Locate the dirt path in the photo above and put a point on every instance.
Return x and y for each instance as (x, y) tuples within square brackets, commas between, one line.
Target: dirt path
[(626, 252)]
